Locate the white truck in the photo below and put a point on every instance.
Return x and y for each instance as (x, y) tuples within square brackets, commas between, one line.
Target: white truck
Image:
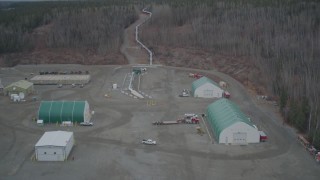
[(185, 93), (148, 141)]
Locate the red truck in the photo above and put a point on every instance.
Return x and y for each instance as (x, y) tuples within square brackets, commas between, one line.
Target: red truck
[(193, 120), (263, 136), (195, 75), (226, 94)]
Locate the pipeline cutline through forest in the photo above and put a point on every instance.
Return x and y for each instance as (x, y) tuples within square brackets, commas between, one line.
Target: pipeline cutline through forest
[(137, 35)]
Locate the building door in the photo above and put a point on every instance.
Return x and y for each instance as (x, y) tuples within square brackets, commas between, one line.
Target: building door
[(240, 138), (208, 93)]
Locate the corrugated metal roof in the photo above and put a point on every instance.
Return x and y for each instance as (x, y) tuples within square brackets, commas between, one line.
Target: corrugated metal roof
[(54, 138), (223, 113), (60, 79), (22, 84), (199, 82)]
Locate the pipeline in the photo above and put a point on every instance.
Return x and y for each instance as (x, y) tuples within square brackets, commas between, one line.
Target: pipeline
[(137, 36)]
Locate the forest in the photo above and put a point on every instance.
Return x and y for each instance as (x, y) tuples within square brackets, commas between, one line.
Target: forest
[(280, 37), (74, 24)]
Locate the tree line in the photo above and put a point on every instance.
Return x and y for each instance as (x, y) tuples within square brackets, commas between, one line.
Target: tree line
[(281, 38), (97, 28), (75, 24)]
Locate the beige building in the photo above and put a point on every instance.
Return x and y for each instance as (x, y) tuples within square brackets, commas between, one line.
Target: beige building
[(21, 86)]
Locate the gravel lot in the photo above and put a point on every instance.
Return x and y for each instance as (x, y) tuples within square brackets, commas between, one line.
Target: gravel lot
[(112, 149)]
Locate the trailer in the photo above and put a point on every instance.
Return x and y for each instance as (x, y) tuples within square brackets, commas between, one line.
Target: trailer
[(165, 122), (179, 121), (195, 75)]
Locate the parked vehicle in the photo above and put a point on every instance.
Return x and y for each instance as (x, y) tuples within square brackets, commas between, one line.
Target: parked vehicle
[(190, 115), (86, 123), (185, 93), (226, 94), (186, 120), (263, 136), (195, 75), (193, 120), (148, 141), (312, 150)]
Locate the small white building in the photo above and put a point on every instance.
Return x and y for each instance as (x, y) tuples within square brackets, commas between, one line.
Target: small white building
[(206, 88), (54, 146)]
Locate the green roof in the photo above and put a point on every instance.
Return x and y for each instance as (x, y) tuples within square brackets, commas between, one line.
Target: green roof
[(199, 82), (58, 111), (21, 84), (222, 114)]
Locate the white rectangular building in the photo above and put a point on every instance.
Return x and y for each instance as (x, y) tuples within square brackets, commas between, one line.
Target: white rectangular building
[(54, 146)]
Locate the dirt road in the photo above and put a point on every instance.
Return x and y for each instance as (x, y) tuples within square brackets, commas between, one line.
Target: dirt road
[(133, 52)]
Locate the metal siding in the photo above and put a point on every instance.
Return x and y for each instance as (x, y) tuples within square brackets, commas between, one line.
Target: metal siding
[(58, 111), (222, 114), (66, 113), (69, 146), (78, 112), (234, 132), (55, 112), (240, 138), (207, 90), (86, 112), (21, 86), (50, 156), (44, 111)]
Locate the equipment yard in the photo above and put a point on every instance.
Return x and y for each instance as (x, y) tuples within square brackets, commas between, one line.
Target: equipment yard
[(112, 148)]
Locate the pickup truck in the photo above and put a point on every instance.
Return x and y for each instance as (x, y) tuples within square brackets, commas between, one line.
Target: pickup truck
[(149, 142)]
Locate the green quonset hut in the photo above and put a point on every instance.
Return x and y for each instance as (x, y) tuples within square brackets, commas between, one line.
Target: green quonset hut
[(230, 125), (59, 111)]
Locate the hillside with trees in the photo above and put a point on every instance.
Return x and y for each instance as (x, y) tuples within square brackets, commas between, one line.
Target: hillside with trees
[(272, 43), (47, 32)]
